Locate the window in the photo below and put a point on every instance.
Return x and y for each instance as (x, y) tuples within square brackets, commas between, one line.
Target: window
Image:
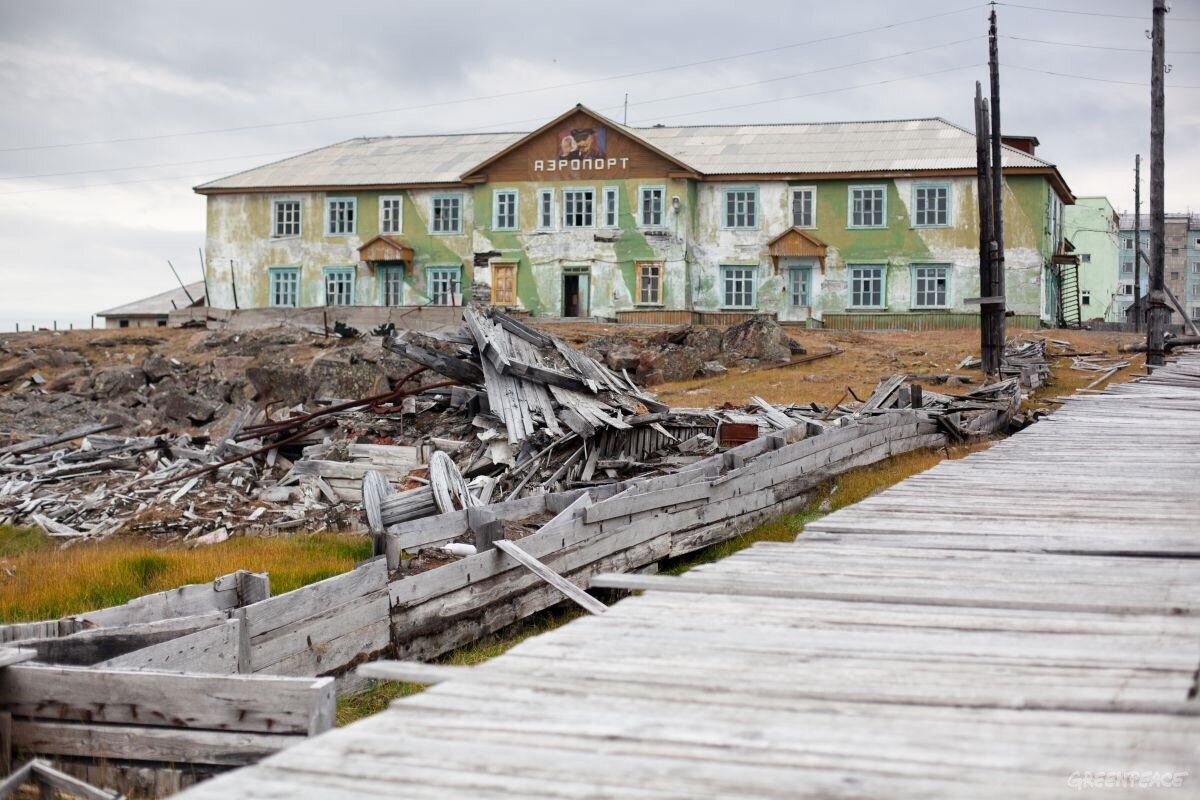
[(1127, 288), (444, 286), (650, 205), (1175, 276), (123, 323), (546, 209), (868, 207), (1085, 297), (504, 284), (738, 290), (1195, 290), (504, 210), (931, 205), (1174, 251), (287, 218), (1196, 313), (162, 323), (1054, 211), (1196, 267), (649, 288), (339, 216), (800, 286), (339, 286), (1085, 258), (578, 208), (741, 209), (1129, 244), (804, 208), (391, 285), (391, 214), (866, 287), (1127, 268), (611, 206), (284, 289), (446, 213), (1196, 242), (930, 286)]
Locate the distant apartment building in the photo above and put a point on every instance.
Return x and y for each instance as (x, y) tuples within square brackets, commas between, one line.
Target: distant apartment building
[(1181, 262), (1093, 227)]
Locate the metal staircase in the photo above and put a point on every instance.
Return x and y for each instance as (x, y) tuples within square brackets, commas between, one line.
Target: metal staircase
[(1070, 314)]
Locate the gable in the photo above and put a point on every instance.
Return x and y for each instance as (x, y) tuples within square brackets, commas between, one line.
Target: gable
[(579, 145)]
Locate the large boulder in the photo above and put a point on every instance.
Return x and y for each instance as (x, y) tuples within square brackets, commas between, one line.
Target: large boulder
[(181, 406), (156, 367), (339, 376), (284, 384), (673, 363), (116, 381), (620, 358), (759, 338)]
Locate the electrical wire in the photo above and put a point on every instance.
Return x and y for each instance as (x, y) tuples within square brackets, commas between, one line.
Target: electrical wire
[(1090, 78), (1092, 13), (1141, 50)]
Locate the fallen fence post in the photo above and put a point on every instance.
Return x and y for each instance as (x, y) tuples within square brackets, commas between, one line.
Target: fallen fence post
[(551, 577)]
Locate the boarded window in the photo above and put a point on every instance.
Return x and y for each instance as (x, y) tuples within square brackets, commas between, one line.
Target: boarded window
[(504, 284), (284, 288), (738, 286), (866, 287), (287, 218), (339, 286), (650, 277), (930, 287)]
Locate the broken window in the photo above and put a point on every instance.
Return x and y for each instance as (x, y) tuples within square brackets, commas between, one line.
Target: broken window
[(286, 218), (930, 287), (867, 206), (391, 281), (804, 207), (504, 284), (800, 286), (391, 218), (931, 205), (504, 210), (611, 202), (866, 287), (444, 286), (651, 203), (741, 208), (650, 276), (738, 286), (578, 208), (446, 216), (339, 286), (339, 216), (285, 287)]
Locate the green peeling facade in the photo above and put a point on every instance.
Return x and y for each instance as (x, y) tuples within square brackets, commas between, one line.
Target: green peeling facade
[(691, 259)]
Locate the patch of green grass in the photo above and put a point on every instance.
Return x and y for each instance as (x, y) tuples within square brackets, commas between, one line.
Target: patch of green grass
[(14, 540)]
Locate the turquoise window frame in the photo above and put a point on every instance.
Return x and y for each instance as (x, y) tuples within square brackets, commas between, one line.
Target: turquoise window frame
[(806, 271), (545, 217), (883, 286), (516, 209), (662, 206), (612, 207), (724, 212), (949, 187), (456, 269), (947, 270), (461, 213), (329, 201), (276, 202), (850, 190), (399, 200), (581, 192), (812, 192), (753, 269), (274, 274), (384, 274), (326, 273)]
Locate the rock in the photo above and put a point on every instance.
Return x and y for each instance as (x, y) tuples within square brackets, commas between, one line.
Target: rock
[(229, 367), (706, 341), (118, 380), (53, 357), (711, 369), (795, 347), (339, 375), (156, 368), (282, 384), (675, 363), (14, 371), (760, 338), (181, 406), (620, 358), (70, 381)]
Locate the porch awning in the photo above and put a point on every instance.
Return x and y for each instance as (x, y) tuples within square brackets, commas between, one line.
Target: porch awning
[(1063, 259), (385, 248), (795, 242)]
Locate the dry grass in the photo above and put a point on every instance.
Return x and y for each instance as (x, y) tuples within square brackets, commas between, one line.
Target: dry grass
[(40, 581)]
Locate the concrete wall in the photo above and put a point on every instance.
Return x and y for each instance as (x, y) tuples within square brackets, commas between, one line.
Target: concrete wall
[(1091, 228)]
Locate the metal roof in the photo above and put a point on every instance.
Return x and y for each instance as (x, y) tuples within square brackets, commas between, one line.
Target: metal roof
[(830, 147), (159, 304)]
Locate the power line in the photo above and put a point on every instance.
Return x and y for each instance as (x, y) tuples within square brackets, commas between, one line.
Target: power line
[(1092, 13), (147, 166), (1099, 47), (111, 183), (1090, 78), (514, 93)]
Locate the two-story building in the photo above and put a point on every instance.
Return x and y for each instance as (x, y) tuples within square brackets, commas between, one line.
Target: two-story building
[(1093, 227), (850, 224)]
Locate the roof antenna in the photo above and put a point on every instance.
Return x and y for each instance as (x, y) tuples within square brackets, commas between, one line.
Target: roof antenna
[(625, 116)]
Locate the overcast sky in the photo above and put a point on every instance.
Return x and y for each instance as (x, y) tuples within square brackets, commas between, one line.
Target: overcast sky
[(140, 101)]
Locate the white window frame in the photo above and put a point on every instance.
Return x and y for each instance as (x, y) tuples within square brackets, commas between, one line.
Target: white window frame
[(545, 213), (386, 275), (658, 288), (643, 222), (751, 276), (1196, 267), (433, 219), (926, 186), (851, 269), (273, 286), (946, 273), (431, 276), (515, 198), (351, 206), (1195, 290), (390, 224), (806, 283), (330, 272), (811, 191), (873, 187), (588, 212), (1085, 297), (1129, 243), (612, 207), (276, 202), (1127, 267), (753, 209)]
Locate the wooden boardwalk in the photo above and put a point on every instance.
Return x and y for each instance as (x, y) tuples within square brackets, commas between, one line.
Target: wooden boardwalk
[(1022, 623)]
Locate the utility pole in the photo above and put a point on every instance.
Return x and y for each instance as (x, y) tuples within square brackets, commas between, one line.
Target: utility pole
[(991, 347), (992, 314), (1156, 323), (1137, 242)]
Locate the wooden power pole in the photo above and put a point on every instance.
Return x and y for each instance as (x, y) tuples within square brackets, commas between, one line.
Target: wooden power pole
[(991, 338), (1156, 322), (994, 313), (1137, 242)]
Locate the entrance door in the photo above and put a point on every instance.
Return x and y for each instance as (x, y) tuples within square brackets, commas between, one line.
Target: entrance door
[(575, 295)]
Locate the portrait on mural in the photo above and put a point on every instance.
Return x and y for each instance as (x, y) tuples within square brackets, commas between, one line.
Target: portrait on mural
[(582, 143)]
